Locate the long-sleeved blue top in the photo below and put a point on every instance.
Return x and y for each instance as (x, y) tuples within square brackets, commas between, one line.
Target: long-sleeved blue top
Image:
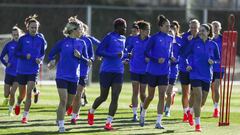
[(159, 46), (182, 61), (8, 50), (33, 45), (89, 46), (176, 53), (200, 52), (110, 47), (68, 67), (217, 66), (94, 40), (137, 47)]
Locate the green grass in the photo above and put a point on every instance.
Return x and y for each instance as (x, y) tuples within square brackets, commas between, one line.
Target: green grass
[(42, 116)]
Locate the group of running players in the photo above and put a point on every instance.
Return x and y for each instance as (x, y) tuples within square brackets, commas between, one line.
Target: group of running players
[(155, 61)]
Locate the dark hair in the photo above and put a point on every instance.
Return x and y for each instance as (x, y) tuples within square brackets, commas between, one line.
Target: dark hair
[(31, 19), (135, 25), (208, 27), (143, 24), (118, 22), (161, 20), (176, 24)]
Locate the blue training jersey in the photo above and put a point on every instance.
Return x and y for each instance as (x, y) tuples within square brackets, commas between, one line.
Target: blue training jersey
[(159, 46), (94, 40), (68, 65), (89, 46), (8, 50), (217, 66), (137, 47), (176, 53), (182, 61), (110, 47), (200, 53), (33, 45)]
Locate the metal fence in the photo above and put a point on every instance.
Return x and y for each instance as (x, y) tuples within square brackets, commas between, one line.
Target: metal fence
[(99, 18)]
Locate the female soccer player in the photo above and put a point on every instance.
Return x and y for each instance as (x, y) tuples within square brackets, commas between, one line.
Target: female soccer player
[(111, 72), (202, 53), (10, 81), (138, 65), (71, 50), (184, 74), (177, 42), (134, 32), (217, 37), (30, 53), (158, 51), (95, 42), (84, 70)]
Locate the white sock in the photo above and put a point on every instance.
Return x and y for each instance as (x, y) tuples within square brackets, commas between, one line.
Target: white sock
[(25, 114), (144, 111), (191, 110), (141, 104), (134, 109), (10, 108), (185, 109), (61, 123), (167, 109), (74, 115), (92, 111), (215, 105), (109, 119), (197, 120), (159, 118)]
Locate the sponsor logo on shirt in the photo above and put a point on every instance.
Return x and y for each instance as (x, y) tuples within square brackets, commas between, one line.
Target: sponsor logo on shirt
[(28, 42)]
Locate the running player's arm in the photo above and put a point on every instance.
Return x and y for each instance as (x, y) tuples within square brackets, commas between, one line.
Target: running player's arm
[(179, 43), (129, 47), (147, 53), (4, 52), (90, 51), (42, 51), (216, 53), (54, 51), (94, 40), (18, 50), (101, 49), (186, 52), (84, 55)]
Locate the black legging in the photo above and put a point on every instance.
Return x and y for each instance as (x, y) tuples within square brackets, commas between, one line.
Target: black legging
[(116, 89)]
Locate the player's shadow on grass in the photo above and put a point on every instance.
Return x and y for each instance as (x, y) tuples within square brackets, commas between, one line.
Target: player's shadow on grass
[(44, 110), (207, 117)]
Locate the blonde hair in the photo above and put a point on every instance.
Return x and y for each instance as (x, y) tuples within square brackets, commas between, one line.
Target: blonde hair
[(85, 29), (31, 19), (20, 31), (195, 21), (73, 24), (218, 23)]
